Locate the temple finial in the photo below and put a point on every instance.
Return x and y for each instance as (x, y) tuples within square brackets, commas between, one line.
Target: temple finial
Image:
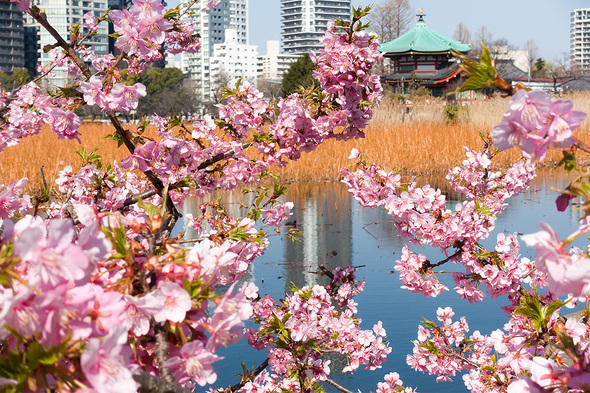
[(420, 15)]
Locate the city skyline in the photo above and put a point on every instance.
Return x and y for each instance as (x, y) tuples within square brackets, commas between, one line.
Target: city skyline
[(443, 17)]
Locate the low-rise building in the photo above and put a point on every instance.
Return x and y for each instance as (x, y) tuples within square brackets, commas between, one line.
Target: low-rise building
[(274, 64), (233, 60)]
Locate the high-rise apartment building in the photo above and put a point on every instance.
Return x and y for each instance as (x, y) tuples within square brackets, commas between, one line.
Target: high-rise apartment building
[(304, 22), (229, 14), (580, 37), (12, 53), (61, 14)]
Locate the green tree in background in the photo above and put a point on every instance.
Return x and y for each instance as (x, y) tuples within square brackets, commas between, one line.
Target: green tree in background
[(539, 68), (298, 75), (167, 92), (10, 81)]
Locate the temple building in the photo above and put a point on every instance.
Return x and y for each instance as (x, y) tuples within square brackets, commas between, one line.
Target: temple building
[(422, 57)]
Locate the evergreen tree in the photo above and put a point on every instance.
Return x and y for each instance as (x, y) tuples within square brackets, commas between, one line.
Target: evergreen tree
[(166, 92), (298, 75), (539, 68)]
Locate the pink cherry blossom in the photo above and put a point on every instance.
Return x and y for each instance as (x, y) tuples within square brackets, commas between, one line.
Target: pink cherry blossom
[(175, 302), (193, 363), (125, 97), (105, 363), (565, 274)]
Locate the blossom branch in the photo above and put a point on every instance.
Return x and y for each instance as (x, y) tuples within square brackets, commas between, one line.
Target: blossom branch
[(41, 18)]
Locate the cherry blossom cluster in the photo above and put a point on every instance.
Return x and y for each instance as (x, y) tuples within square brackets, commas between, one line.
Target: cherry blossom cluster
[(70, 286), (529, 353), (491, 362), (536, 122), (306, 324), (26, 110), (422, 215), (13, 200), (141, 29), (120, 97), (567, 271), (96, 294)]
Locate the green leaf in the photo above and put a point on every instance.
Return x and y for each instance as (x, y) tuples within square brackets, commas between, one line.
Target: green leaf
[(38, 354), (568, 161), (428, 323), (480, 74), (539, 314)]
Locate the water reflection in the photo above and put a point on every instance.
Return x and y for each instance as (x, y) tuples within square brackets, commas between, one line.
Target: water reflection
[(338, 232), (322, 214)]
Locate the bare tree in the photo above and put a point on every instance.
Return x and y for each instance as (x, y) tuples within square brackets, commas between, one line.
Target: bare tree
[(462, 34), (481, 36), (532, 53), (221, 80), (391, 18)]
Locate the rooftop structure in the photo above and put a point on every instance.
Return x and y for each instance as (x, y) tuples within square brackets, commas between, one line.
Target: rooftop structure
[(304, 22)]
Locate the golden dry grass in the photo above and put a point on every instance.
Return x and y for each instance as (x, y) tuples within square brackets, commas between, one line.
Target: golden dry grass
[(421, 144), (47, 151)]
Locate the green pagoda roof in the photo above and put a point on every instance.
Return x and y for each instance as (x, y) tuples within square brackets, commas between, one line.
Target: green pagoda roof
[(422, 39)]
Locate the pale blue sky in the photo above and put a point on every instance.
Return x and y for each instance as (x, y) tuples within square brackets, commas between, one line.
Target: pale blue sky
[(544, 21)]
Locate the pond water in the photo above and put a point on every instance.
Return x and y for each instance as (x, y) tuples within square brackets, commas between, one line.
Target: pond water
[(339, 232)]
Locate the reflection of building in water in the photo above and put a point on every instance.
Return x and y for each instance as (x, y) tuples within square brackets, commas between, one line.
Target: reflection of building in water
[(323, 213), (232, 202)]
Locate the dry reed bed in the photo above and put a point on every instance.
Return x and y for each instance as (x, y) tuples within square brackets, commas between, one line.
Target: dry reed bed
[(47, 151), (422, 144)]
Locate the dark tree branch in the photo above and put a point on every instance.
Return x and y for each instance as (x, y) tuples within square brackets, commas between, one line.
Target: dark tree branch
[(221, 156), (338, 386), (41, 18), (258, 370), (161, 352), (327, 272)]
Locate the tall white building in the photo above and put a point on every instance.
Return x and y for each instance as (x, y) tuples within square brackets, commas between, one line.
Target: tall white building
[(274, 64), (580, 37), (232, 61), (304, 22), (61, 14), (229, 14)]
